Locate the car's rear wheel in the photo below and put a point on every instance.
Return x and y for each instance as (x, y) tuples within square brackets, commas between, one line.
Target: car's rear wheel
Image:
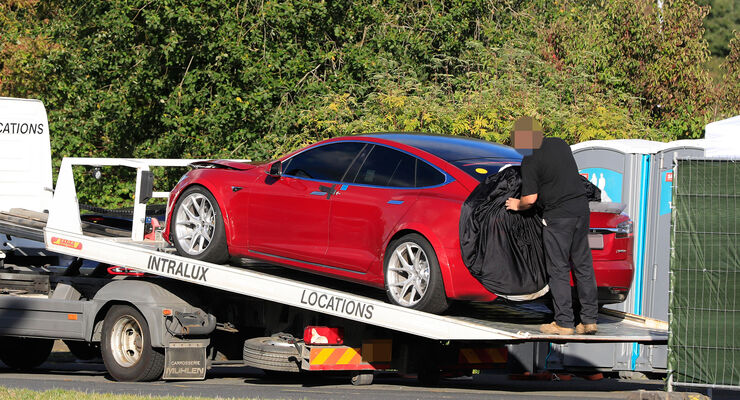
[(412, 275), (198, 226)]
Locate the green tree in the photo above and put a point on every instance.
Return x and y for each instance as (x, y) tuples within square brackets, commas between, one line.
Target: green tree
[(730, 86), (723, 19), (256, 79)]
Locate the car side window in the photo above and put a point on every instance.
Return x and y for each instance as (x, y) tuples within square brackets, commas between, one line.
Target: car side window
[(351, 173), (327, 162), (387, 167), (426, 175)]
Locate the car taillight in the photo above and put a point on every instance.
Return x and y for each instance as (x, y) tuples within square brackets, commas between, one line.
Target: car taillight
[(118, 270), (323, 335), (624, 229)]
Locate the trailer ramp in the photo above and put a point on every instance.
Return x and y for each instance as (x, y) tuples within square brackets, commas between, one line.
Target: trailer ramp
[(482, 323)]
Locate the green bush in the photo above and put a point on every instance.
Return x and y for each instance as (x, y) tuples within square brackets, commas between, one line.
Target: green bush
[(256, 79)]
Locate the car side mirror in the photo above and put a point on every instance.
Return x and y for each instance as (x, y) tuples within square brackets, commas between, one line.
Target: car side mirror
[(276, 169)]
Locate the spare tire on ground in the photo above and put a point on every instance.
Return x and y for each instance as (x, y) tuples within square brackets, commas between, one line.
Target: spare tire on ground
[(275, 353)]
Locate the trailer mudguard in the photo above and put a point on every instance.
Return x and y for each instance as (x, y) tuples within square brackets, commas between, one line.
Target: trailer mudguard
[(150, 298)]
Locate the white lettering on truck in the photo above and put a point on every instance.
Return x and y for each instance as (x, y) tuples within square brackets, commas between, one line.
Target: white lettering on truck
[(185, 270), (337, 304), (21, 128)]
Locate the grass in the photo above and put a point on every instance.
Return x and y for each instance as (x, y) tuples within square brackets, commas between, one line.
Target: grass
[(58, 394)]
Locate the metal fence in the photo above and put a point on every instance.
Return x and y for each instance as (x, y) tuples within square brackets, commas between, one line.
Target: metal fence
[(704, 342)]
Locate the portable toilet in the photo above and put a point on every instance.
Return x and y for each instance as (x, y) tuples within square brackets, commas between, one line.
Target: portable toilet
[(658, 235), (621, 169), (722, 141)]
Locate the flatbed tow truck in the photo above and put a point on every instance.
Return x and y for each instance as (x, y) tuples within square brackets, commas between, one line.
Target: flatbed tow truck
[(152, 314)]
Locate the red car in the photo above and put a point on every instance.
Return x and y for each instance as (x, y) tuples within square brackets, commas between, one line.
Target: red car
[(379, 209)]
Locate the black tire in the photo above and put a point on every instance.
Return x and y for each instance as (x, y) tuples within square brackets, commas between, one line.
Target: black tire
[(24, 353), (271, 354), (216, 251), (429, 377), (143, 364), (434, 300), (83, 350)]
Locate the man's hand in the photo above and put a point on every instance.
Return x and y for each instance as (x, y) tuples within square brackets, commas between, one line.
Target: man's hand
[(512, 204), (521, 204)]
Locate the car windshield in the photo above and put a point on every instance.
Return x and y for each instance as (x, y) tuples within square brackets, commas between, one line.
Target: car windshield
[(480, 168)]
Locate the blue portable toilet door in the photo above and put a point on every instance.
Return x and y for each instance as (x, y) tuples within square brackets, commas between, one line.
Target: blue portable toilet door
[(658, 253), (612, 171)]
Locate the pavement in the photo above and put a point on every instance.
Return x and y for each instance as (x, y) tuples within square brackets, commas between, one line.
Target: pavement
[(64, 372)]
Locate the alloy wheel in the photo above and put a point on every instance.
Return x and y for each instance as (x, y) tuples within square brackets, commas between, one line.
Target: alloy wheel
[(408, 273), (196, 224)]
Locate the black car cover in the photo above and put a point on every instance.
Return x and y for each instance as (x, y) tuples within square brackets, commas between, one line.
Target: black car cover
[(593, 193), (503, 249)]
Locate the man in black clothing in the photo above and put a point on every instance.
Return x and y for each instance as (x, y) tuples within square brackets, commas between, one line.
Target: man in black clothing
[(550, 177)]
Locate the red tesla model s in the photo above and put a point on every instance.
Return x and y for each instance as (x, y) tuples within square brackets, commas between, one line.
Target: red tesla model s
[(378, 209)]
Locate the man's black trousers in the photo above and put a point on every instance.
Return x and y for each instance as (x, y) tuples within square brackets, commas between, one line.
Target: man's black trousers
[(566, 239)]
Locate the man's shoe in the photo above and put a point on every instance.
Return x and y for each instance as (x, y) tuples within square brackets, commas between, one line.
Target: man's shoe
[(554, 329), (586, 329)]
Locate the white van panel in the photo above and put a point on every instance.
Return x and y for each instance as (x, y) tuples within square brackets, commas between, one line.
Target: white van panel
[(25, 155)]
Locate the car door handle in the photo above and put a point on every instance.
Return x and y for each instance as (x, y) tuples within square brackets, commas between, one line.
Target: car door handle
[(329, 190), (325, 190)]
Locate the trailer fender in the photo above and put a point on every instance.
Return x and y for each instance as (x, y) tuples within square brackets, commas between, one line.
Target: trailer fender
[(149, 298)]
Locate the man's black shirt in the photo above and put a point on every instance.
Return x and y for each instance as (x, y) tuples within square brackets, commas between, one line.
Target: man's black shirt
[(551, 172)]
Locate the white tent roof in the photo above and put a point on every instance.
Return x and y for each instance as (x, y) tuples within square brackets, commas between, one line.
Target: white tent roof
[(723, 138)]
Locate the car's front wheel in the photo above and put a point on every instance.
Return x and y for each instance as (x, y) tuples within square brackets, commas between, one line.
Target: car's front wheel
[(198, 227), (412, 275)]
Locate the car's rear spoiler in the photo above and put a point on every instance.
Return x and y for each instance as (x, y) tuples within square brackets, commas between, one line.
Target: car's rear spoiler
[(224, 164)]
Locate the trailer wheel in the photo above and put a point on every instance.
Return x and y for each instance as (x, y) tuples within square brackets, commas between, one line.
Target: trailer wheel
[(362, 378), (24, 353), (412, 275), (127, 349), (275, 353), (198, 226)]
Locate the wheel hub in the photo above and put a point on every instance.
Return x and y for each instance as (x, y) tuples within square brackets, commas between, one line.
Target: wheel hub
[(126, 341)]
